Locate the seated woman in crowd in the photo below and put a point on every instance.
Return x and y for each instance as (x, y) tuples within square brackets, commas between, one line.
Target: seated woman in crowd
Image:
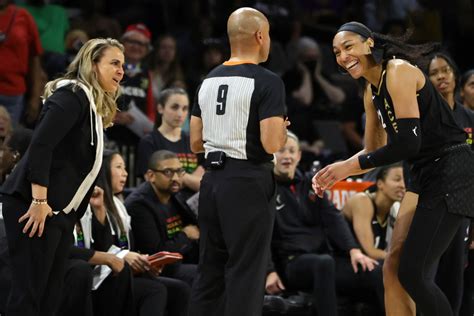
[(443, 73), (107, 223), (173, 107), (369, 212)]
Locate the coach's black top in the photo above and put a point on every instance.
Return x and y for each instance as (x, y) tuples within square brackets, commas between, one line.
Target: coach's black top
[(231, 101), (439, 129), (62, 151)]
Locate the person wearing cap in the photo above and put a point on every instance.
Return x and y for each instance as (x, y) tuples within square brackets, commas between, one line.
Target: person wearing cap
[(238, 120), (136, 90), (407, 119)]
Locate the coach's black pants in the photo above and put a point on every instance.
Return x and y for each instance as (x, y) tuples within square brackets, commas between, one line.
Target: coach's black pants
[(236, 213), (38, 263)]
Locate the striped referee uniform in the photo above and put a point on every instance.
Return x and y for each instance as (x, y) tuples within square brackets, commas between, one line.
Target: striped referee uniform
[(236, 203)]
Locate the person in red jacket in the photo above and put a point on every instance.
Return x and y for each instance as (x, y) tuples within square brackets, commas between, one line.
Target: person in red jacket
[(21, 76)]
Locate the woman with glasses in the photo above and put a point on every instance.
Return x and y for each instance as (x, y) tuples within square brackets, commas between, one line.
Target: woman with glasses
[(407, 119), (173, 107)]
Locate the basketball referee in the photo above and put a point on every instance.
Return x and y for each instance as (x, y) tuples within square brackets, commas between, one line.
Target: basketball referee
[(238, 121)]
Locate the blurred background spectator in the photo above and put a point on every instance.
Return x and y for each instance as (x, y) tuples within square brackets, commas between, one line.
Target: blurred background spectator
[(21, 76), (165, 65), (136, 105)]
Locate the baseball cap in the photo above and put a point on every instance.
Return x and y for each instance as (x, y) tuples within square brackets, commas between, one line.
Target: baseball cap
[(138, 28)]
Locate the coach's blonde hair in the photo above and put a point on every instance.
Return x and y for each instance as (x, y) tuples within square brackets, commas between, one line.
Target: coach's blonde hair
[(82, 69)]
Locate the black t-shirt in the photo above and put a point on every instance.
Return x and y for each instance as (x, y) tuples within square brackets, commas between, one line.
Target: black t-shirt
[(134, 90), (156, 141), (231, 101)]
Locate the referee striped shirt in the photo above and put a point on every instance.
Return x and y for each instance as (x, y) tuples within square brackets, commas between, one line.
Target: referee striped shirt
[(231, 101)]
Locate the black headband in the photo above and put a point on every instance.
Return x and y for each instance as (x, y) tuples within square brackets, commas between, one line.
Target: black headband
[(356, 27), (377, 51)]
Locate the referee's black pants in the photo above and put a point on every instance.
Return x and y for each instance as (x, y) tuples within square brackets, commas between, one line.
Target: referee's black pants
[(38, 263), (236, 214)]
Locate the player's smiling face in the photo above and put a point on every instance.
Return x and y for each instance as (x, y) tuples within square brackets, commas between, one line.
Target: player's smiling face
[(352, 51)]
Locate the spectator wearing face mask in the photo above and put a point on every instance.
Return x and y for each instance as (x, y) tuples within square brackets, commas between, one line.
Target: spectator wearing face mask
[(314, 92)]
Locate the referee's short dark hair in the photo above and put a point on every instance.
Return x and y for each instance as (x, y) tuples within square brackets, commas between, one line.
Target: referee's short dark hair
[(160, 155)]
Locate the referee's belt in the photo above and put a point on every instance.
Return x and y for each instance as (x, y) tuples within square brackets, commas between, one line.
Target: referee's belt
[(215, 160), (218, 159)]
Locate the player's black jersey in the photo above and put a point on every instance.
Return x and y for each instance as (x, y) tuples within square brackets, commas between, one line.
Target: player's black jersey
[(438, 125)]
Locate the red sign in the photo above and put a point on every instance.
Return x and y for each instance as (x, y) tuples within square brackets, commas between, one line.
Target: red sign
[(342, 190)]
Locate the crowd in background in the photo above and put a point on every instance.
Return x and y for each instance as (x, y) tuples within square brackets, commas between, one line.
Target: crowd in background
[(167, 52)]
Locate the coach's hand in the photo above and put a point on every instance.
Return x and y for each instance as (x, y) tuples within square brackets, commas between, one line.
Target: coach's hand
[(36, 216)]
